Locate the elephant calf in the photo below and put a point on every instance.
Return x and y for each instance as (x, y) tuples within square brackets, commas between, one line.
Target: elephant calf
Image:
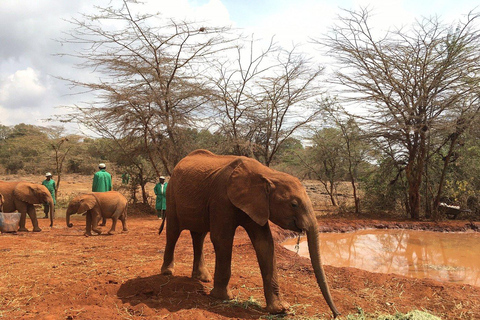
[(22, 196), (217, 194), (94, 205)]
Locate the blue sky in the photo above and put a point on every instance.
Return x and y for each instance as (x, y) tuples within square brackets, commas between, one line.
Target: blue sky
[(30, 92)]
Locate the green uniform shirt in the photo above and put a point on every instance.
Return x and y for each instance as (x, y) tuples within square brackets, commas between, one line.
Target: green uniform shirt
[(102, 181), (50, 184), (161, 190)]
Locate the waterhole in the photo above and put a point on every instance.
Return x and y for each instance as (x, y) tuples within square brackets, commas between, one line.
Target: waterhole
[(452, 257)]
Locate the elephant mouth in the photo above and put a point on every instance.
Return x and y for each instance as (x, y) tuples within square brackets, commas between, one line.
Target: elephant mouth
[(297, 228)]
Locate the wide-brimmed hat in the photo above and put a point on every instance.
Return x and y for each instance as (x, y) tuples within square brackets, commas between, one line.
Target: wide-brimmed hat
[(162, 177), (102, 166), (48, 174)]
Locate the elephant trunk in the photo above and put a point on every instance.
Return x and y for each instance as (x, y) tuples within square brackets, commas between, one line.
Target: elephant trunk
[(67, 216), (314, 251)]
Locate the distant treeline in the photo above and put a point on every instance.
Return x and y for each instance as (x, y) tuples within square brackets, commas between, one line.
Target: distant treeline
[(378, 184)]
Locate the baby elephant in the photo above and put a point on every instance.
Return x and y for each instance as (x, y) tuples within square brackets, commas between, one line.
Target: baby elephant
[(96, 205)]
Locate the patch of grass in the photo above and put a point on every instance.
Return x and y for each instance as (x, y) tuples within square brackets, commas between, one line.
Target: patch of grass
[(246, 304), (412, 315)]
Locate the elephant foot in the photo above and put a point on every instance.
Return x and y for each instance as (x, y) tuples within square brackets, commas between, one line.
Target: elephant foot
[(23, 229), (222, 293), (97, 231), (202, 275), (277, 307), (102, 224), (168, 271), (111, 233), (37, 229), (87, 234)]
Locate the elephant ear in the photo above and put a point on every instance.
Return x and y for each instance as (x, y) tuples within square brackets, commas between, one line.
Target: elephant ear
[(248, 189), (87, 203), (25, 192)]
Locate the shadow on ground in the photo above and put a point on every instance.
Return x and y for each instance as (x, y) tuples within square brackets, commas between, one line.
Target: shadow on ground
[(174, 294)]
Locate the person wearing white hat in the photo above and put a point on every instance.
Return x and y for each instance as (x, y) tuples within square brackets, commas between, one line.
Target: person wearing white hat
[(50, 184), (102, 182), (161, 201)]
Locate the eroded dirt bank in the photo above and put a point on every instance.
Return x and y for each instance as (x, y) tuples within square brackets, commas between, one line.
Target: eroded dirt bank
[(60, 274)]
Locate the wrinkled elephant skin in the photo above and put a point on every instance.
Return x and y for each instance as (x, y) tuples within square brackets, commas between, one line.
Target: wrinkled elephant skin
[(216, 194), (96, 205), (22, 196)]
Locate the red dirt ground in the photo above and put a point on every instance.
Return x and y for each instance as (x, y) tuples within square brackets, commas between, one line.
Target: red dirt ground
[(61, 274)]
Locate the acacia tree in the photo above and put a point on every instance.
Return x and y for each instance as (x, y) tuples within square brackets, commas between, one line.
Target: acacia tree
[(234, 82), (285, 102), (355, 148), (61, 149), (326, 159), (409, 82), (264, 98), (150, 77)]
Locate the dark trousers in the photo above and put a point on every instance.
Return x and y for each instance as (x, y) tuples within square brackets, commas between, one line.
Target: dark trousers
[(46, 209), (160, 213)]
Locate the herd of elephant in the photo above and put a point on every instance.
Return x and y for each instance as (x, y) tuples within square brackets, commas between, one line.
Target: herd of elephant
[(22, 197), (207, 193)]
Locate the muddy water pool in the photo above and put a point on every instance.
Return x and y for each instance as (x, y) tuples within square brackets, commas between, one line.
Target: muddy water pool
[(453, 257)]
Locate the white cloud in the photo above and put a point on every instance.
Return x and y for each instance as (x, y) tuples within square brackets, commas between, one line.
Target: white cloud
[(28, 29), (213, 12), (21, 115), (22, 89)]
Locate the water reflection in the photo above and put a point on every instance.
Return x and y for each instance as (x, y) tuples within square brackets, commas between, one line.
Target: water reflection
[(422, 254)]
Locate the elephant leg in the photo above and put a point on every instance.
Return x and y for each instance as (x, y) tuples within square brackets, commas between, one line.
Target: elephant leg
[(23, 221), (94, 222), (262, 241), (223, 244), (173, 232), (33, 216), (123, 218), (88, 228), (114, 225), (199, 272), (104, 222)]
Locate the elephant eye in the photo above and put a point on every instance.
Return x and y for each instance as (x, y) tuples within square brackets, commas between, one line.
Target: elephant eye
[(294, 204)]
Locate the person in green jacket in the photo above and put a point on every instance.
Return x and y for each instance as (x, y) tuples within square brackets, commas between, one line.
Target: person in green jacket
[(102, 182), (161, 202), (50, 184), (125, 178)]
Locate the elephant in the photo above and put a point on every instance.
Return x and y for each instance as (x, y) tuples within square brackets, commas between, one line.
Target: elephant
[(21, 196), (216, 194), (96, 205)]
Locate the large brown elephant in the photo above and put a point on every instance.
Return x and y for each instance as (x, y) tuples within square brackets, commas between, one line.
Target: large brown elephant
[(216, 194), (21, 197), (95, 205)]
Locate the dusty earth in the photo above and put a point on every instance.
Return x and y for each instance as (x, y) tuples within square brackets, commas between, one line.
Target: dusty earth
[(61, 274)]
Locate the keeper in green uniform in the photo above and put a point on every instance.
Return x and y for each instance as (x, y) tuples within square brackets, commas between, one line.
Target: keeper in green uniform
[(50, 184), (161, 202), (102, 182)]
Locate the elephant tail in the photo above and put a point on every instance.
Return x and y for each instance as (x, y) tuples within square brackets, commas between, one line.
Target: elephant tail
[(163, 224)]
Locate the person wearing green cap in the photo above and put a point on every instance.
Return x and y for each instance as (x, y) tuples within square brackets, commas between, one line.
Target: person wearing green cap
[(102, 182), (50, 184), (161, 201)]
